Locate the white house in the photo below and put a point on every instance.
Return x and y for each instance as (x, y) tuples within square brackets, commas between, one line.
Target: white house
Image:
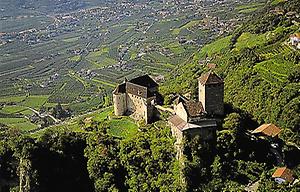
[(295, 40)]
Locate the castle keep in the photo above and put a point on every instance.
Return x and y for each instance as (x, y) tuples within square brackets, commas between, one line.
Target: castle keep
[(136, 98)]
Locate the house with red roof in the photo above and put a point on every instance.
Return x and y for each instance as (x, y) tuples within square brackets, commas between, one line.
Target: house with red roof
[(283, 174), (269, 130), (295, 40)]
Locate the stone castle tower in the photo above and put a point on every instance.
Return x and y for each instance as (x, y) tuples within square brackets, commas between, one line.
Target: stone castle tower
[(136, 98), (211, 93)]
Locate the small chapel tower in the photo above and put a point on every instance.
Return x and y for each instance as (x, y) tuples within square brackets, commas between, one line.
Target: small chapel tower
[(211, 93)]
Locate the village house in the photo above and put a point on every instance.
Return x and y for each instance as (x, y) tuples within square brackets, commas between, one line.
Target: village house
[(136, 98), (211, 65), (295, 40), (283, 174), (269, 130)]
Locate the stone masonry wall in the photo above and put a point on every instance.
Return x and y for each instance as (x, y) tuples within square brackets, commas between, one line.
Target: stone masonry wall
[(214, 99), (119, 101), (137, 106), (181, 112)]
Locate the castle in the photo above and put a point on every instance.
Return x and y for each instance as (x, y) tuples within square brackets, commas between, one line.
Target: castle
[(200, 117), (138, 98)]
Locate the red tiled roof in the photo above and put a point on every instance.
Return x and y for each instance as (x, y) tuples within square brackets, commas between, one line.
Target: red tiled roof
[(180, 124), (211, 66), (267, 129), (295, 35), (210, 78), (177, 122), (283, 173)]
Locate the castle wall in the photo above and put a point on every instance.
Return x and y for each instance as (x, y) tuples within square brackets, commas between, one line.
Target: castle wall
[(214, 102), (205, 133), (201, 94), (150, 109), (119, 101), (179, 137), (212, 98), (137, 90), (181, 112), (137, 106)]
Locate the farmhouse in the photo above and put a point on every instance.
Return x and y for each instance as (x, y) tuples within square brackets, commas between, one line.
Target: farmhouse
[(295, 40), (269, 130), (136, 98), (283, 174)]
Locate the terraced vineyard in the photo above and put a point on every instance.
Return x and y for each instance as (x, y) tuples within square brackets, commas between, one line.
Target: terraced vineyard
[(77, 58)]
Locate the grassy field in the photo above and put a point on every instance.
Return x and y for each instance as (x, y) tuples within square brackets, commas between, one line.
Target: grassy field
[(124, 127), (275, 2), (14, 99), (19, 123), (188, 25), (19, 108), (35, 101), (10, 109), (71, 39), (249, 7), (76, 58), (121, 127), (101, 116)]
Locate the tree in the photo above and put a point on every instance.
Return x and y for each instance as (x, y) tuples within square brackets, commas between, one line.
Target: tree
[(103, 164), (149, 160), (232, 122)]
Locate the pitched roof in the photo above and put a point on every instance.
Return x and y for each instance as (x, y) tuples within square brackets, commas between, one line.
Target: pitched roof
[(176, 121), (145, 81), (180, 124), (179, 98), (284, 173), (267, 129), (297, 35), (121, 88), (210, 78), (193, 108), (140, 86), (211, 65)]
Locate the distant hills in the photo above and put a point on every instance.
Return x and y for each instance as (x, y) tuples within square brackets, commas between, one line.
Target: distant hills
[(11, 7)]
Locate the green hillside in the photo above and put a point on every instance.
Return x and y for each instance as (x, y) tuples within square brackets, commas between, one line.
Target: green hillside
[(260, 67)]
